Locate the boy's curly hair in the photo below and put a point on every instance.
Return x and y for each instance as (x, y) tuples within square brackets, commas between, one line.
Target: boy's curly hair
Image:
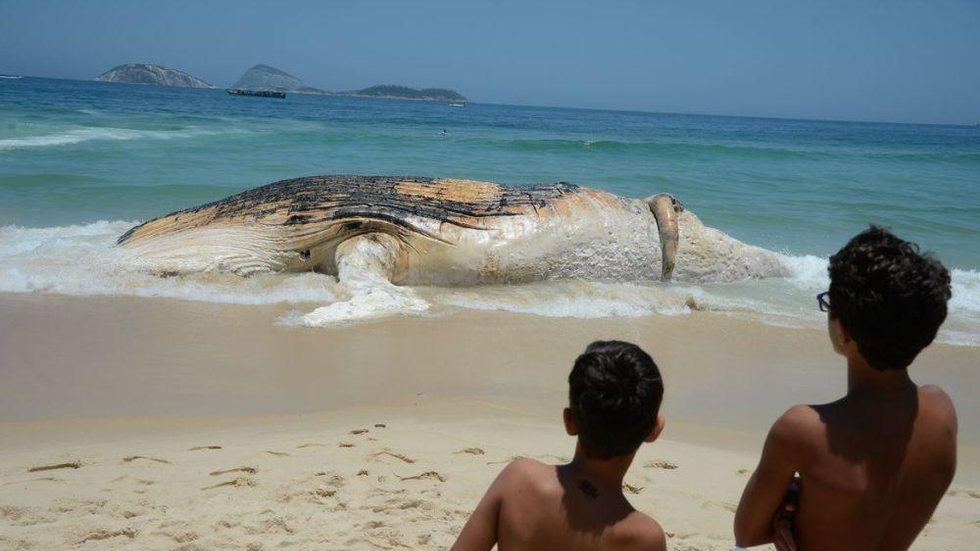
[(614, 391), (890, 298)]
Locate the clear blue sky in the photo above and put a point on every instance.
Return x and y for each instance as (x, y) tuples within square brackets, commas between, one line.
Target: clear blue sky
[(907, 61)]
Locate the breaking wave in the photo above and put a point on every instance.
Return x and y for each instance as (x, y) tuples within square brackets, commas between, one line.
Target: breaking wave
[(82, 260), (79, 135)]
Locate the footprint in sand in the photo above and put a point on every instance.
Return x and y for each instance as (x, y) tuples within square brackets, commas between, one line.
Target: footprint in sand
[(661, 464), (247, 470), (632, 489), (69, 465), (74, 505), (471, 451), (345, 445), (140, 481), (380, 425), (179, 537), (99, 535), (198, 448), (504, 460), (24, 516), (428, 475), (311, 445), (358, 431), (239, 482), (389, 453), (277, 454), (132, 458)]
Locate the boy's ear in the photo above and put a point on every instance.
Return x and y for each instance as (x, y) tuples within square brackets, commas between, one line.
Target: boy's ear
[(570, 427), (844, 336), (658, 427), (845, 342)]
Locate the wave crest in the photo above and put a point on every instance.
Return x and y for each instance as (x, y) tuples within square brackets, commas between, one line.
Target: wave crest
[(82, 260)]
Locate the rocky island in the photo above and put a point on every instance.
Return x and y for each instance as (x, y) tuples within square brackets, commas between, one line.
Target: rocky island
[(264, 77), (155, 75), (404, 92)]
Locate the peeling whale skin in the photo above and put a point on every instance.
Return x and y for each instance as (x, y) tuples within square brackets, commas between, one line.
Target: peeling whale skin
[(426, 231)]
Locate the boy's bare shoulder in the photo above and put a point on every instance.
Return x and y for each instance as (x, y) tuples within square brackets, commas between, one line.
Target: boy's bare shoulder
[(936, 407), (641, 531), (798, 425), (938, 402), (525, 472), (527, 468)]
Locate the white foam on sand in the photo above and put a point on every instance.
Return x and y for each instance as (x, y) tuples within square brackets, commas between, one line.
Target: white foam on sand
[(571, 299), (364, 304), (83, 260)]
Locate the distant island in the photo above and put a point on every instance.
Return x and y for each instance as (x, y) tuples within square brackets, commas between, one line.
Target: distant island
[(154, 75), (404, 92), (264, 77), (267, 79)]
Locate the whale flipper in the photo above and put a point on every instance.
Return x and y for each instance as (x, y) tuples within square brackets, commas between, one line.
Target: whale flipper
[(370, 258)]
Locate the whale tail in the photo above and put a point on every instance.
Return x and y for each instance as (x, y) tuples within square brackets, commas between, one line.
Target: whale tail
[(665, 208)]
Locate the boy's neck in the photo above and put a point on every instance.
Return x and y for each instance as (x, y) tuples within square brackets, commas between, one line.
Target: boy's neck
[(603, 473), (863, 379)]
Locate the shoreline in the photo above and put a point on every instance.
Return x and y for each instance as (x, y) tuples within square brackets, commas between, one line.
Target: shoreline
[(236, 360), (127, 398)]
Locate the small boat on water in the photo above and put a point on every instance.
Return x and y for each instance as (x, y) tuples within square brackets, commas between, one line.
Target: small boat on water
[(457, 104), (259, 93)]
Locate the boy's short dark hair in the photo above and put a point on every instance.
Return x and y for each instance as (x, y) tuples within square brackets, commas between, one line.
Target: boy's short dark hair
[(614, 393), (890, 298)]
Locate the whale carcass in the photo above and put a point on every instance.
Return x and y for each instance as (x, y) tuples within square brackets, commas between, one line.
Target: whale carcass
[(426, 231)]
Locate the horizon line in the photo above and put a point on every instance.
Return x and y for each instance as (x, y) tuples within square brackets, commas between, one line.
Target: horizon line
[(575, 108)]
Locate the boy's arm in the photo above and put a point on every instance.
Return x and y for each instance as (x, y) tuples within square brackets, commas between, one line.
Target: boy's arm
[(480, 531), (782, 456)]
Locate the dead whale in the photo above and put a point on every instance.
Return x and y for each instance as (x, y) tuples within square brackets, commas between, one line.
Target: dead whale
[(427, 231)]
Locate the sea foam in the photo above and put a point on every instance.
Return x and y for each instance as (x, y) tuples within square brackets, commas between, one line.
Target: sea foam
[(83, 260), (79, 135)]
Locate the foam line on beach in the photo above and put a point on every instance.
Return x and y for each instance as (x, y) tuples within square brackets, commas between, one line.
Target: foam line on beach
[(82, 260)]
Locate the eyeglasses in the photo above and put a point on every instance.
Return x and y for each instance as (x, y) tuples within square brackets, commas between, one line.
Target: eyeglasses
[(823, 301)]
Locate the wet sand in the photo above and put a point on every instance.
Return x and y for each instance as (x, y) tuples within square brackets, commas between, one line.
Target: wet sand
[(172, 424)]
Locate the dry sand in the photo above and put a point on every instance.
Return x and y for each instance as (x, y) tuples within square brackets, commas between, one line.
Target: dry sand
[(156, 424)]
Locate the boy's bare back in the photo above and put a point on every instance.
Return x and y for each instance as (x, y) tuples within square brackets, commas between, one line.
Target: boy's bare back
[(538, 507), (873, 467), (614, 396)]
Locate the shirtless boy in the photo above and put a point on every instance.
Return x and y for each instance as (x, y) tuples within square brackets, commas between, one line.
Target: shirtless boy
[(874, 464), (615, 391)]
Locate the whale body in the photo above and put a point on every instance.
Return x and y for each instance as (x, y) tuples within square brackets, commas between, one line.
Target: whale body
[(427, 231)]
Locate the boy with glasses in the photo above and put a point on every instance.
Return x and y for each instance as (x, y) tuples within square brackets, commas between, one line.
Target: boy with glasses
[(873, 465)]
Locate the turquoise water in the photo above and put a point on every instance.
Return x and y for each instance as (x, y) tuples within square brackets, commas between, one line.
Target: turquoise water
[(73, 153)]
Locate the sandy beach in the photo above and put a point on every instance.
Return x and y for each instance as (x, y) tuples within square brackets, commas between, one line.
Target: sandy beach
[(161, 424)]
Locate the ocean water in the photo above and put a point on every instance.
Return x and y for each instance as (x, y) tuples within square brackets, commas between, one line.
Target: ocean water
[(80, 162)]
